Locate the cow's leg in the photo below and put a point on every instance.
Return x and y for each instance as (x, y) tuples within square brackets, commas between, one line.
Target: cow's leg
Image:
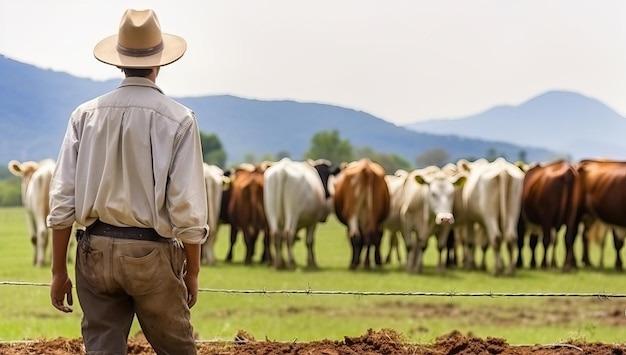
[(521, 236), (250, 238), (357, 247), (42, 244), (233, 240), (442, 236), (208, 249), (368, 244), (618, 242), (277, 240), (547, 239), (266, 257), (290, 238), (533, 240), (451, 256), (393, 245), (571, 232), (469, 247), (602, 244), (32, 232), (494, 238), (377, 240), (510, 237), (311, 263)]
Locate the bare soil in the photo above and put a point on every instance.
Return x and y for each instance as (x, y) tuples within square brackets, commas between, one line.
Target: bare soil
[(385, 341), (562, 311)]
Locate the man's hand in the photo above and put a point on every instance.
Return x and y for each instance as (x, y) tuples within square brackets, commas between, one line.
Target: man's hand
[(192, 252), (61, 289), (192, 289)]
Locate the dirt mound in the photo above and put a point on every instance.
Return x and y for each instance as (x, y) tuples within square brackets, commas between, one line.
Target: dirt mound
[(385, 341)]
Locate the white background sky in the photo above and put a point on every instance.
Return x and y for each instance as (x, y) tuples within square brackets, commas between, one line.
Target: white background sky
[(402, 61)]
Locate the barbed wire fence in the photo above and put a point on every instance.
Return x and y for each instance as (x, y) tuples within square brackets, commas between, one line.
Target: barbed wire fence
[(310, 291)]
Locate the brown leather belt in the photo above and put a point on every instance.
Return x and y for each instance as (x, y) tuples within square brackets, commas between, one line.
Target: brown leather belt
[(136, 233)]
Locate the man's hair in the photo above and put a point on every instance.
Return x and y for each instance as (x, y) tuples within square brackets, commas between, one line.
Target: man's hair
[(140, 72)]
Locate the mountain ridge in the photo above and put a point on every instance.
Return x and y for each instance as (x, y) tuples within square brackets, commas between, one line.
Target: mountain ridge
[(560, 121), (36, 105)]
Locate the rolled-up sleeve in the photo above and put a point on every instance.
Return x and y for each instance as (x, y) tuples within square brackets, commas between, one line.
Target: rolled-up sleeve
[(186, 193), (62, 197)]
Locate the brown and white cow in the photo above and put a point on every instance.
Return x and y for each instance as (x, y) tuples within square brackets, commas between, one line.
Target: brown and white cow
[(36, 178), (296, 196), (362, 204), (603, 184), (214, 182), (550, 200), (491, 199)]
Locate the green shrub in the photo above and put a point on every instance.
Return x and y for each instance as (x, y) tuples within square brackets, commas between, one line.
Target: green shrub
[(10, 192)]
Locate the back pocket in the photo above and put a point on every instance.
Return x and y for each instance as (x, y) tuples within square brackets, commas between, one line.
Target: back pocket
[(144, 274)]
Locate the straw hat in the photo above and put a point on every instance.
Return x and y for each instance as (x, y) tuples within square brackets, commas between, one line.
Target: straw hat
[(140, 43)]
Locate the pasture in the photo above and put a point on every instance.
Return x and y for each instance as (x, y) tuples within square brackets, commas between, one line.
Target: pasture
[(26, 313)]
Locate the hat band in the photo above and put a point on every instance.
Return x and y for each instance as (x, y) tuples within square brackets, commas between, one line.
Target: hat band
[(139, 52)]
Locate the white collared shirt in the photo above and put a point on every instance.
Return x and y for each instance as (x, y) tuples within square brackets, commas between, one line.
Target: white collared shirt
[(132, 157)]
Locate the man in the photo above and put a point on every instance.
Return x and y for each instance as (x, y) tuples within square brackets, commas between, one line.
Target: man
[(130, 169)]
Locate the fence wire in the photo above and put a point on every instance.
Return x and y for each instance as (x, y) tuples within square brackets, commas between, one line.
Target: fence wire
[(312, 292)]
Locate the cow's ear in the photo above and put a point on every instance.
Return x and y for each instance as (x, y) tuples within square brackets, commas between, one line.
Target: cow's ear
[(421, 180), (460, 181), (14, 168)]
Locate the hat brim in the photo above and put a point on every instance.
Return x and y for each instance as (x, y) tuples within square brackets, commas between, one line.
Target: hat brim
[(173, 49)]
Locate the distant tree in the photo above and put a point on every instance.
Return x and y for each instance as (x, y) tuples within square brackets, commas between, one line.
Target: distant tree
[(436, 156), (5, 173), (329, 145), (390, 162), (492, 154), (212, 150), (521, 156)]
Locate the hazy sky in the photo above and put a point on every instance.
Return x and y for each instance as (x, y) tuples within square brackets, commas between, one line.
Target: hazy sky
[(399, 60)]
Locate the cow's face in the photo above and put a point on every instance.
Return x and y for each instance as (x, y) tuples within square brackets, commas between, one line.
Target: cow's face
[(441, 190)]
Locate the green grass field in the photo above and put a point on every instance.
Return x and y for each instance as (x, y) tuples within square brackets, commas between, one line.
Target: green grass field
[(26, 313)]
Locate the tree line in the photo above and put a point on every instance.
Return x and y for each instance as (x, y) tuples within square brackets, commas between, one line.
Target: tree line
[(324, 145)]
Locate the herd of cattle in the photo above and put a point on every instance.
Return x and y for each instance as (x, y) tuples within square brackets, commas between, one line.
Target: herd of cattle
[(493, 206)]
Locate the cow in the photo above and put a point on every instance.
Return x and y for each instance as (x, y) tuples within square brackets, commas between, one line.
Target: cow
[(427, 209), (550, 201), (491, 200), (361, 203), (296, 196), (245, 208), (602, 183), (36, 177), (392, 223), (214, 182)]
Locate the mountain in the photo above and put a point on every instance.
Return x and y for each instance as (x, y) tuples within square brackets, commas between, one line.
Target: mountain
[(572, 124), (35, 105)]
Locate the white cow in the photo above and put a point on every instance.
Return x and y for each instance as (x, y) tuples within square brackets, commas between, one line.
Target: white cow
[(492, 199), (294, 198), (36, 178), (393, 224), (426, 209), (214, 181)]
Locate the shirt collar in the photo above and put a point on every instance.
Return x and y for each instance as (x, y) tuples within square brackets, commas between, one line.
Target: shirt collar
[(139, 81)]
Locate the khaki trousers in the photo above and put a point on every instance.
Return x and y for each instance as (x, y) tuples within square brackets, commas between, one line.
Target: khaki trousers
[(117, 279)]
